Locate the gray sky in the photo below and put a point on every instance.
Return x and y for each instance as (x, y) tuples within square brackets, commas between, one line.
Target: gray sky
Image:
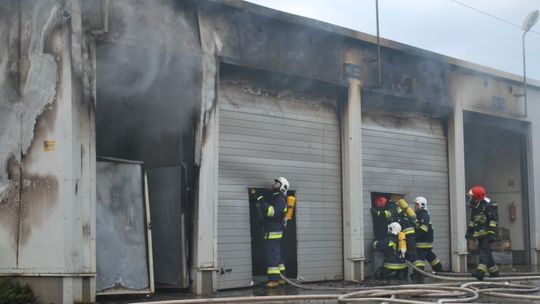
[(441, 26)]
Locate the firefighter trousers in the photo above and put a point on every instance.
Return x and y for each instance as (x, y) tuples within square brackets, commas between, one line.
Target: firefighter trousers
[(385, 273), (412, 255), (272, 248), (426, 254), (485, 259)]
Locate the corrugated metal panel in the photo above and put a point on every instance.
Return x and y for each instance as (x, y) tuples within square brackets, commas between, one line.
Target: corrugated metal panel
[(169, 240), (121, 240), (10, 115), (407, 156), (261, 137)]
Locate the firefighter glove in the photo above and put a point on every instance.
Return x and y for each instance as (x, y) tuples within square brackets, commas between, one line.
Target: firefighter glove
[(252, 193), (469, 234)]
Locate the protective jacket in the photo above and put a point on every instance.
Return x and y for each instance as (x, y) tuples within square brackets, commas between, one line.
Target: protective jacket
[(424, 229), (273, 211), (393, 213), (389, 247), (407, 224), (484, 220)]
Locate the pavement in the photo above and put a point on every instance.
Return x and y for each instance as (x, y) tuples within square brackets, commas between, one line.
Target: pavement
[(260, 290)]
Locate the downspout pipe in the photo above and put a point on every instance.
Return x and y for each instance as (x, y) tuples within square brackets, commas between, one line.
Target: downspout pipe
[(524, 74), (379, 45)]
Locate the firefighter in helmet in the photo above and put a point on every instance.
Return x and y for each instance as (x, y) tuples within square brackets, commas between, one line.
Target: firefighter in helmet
[(424, 235), (394, 265), (483, 226), (400, 212), (273, 211)]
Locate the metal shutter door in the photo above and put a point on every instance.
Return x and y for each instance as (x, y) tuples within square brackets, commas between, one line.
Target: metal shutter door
[(408, 156), (260, 138)]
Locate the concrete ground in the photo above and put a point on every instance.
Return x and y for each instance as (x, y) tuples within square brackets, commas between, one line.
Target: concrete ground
[(260, 290)]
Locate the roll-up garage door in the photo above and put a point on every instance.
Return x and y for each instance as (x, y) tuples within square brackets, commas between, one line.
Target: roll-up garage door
[(407, 156), (262, 137)]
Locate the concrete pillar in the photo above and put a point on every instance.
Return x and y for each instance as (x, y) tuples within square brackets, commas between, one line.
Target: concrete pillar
[(203, 272), (456, 166), (205, 238), (353, 237)]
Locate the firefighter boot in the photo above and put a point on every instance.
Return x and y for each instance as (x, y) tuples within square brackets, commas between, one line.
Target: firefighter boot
[(479, 274), (272, 284), (437, 267), (281, 282), (493, 271)]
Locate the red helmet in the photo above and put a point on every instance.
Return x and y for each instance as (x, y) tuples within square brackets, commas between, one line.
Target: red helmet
[(478, 193), (380, 201)]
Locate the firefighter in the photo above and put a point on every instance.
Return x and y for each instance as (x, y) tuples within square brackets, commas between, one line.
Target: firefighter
[(424, 235), (394, 265), (273, 211), (400, 212), (381, 208), (407, 219), (483, 226)]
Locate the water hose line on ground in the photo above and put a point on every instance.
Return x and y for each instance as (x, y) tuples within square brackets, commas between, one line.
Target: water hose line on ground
[(457, 289)]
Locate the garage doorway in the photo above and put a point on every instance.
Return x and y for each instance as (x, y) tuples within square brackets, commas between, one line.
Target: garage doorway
[(288, 242), (496, 158)]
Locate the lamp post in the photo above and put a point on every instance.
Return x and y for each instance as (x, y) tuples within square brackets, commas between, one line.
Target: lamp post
[(528, 23)]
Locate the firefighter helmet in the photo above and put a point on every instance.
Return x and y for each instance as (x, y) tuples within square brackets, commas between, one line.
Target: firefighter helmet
[(394, 228), (284, 187), (421, 202), (478, 193), (380, 201)]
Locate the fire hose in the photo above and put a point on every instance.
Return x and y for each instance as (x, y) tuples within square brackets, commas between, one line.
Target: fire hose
[(499, 287), (457, 290)]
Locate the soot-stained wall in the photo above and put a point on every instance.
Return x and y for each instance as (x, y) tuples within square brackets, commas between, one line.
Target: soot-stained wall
[(148, 82)]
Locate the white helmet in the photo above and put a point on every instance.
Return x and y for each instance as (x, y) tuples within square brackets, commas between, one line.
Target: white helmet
[(394, 228), (421, 201), (284, 184)]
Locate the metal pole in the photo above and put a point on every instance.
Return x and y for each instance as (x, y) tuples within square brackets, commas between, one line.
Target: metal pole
[(524, 74), (378, 43)]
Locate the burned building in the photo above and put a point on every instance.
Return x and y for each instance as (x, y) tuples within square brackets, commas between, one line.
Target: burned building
[(209, 98)]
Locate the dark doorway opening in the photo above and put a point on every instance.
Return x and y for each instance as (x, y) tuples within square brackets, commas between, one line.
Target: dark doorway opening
[(496, 158), (288, 242)]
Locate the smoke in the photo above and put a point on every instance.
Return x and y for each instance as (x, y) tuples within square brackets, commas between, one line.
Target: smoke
[(148, 80), (151, 33)]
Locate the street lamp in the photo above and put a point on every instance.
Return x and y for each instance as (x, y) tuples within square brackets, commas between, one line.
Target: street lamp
[(528, 23)]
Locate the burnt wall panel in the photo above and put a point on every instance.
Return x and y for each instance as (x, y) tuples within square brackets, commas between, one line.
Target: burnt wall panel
[(42, 214), (121, 248), (10, 115), (44, 137), (288, 47), (263, 42), (414, 77), (487, 94), (258, 41)]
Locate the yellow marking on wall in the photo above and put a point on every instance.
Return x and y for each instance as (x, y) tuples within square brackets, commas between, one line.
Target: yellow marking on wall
[(49, 145)]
